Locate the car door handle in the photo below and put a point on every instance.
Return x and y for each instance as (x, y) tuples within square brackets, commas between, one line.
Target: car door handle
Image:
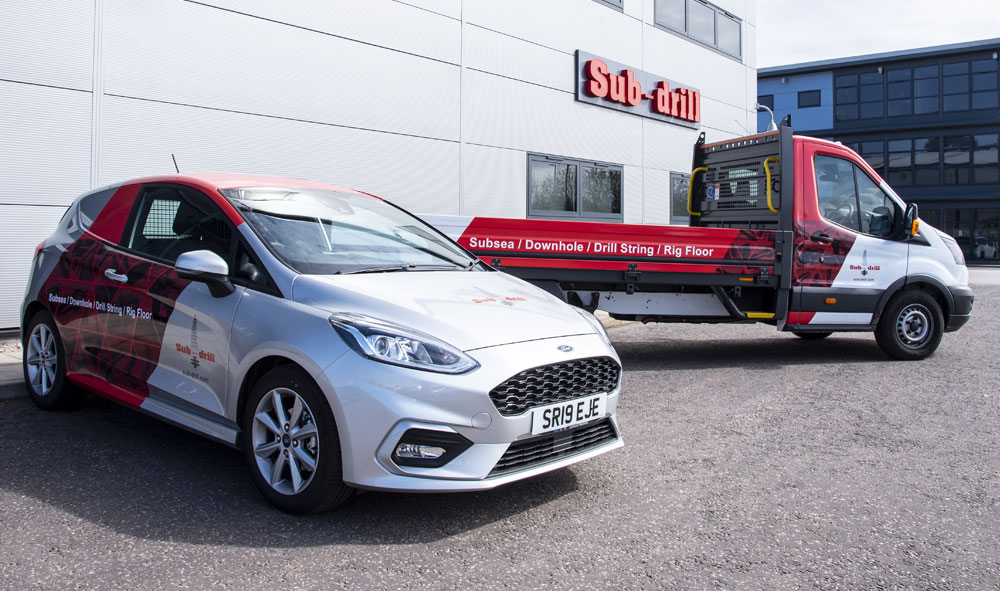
[(113, 274), (820, 237)]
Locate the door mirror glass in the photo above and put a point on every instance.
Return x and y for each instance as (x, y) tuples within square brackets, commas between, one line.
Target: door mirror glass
[(911, 223)]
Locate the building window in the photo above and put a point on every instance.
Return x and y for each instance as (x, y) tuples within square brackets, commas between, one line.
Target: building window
[(874, 154), (767, 100), (703, 22), (925, 90), (984, 84), (955, 86), (859, 96), (616, 4), (957, 169), (984, 158), (679, 198), (809, 98), (567, 188)]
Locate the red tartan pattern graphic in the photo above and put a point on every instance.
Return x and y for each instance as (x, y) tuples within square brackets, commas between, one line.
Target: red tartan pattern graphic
[(817, 263), (102, 339), (755, 248)]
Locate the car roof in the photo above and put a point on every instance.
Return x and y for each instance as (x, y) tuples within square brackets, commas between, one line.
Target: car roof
[(212, 181)]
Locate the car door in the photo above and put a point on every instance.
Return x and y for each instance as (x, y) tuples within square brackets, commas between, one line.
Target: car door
[(172, 336), (845, 258)]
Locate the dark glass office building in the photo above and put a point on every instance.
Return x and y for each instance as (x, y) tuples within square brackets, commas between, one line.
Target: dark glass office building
[(927, 120)]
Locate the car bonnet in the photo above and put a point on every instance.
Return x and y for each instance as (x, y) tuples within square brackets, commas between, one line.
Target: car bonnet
[(467, 309)]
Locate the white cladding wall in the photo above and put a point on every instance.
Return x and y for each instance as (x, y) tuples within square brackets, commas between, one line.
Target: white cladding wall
[(433, 104)]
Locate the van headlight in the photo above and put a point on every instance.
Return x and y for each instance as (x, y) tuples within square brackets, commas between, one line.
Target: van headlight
[(956, 250), (390, 343), (594, 322)]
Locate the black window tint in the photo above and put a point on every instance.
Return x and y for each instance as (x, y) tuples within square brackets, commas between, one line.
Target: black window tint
[(926, 161), (925, 72), (901, 107), (767, 100), (871, 78), (848, 80), (957, 160), (984, 100), (847, 112), (809, 98), (956, 102), (957, 68), (871, 110), (896, 75), (922, 106), (871, 92), (956, 84), (984, 82), (847, 95), (927, 87), (899, 90)]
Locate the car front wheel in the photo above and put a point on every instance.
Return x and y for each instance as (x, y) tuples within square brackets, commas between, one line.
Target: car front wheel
[(911, 326), (291, 443)]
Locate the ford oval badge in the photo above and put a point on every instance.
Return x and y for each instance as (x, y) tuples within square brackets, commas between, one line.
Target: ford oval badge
[(565, 348)]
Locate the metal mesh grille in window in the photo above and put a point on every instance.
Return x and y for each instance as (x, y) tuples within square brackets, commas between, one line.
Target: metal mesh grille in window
[(555, 383), (741, 185), (160, 221), (522, 455)]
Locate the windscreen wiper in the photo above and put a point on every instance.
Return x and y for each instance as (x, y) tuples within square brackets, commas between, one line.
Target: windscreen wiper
[(406, 267)]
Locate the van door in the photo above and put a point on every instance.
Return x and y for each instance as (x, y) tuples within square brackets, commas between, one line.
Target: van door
[(845, 258)]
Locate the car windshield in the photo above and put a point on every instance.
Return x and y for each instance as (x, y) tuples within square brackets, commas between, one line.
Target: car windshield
[(332, 232)]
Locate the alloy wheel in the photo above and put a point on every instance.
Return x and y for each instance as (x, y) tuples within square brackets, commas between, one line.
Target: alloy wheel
[(41, 359), (285, 441)]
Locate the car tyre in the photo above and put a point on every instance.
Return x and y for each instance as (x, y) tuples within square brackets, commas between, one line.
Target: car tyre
[(291, 443), (43, 362), (811, 336), (911, 326)]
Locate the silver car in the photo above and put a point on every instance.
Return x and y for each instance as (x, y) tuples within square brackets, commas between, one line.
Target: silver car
[(339, 341)]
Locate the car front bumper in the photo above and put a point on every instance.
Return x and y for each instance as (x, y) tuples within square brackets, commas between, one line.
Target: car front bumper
[(375, 403), (964, 298)]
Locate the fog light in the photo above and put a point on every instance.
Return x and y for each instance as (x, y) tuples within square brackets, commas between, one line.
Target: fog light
[(424, 448), (415, 450)]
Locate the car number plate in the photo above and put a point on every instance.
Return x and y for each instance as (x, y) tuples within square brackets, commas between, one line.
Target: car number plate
[(567, 414)]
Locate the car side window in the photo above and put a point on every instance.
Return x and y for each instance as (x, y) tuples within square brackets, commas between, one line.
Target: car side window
[(875, 206), (172, 220), (836, 191)]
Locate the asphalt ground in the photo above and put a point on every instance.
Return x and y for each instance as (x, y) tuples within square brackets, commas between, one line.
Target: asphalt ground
[(753, 460)]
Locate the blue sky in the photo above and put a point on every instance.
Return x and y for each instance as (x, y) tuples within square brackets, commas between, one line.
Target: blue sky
[(793, 31)]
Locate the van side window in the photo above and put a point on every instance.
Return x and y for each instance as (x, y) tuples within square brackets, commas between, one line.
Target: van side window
[(838, 198), (849, 197)]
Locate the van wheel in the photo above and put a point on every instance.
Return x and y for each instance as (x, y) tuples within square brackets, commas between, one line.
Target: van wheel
[(291, 444), (44, 364), (811, 336), (911, 326)]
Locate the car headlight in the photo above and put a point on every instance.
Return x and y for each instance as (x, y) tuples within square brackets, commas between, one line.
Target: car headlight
[(595, 323), (956, 250), (390, 343)]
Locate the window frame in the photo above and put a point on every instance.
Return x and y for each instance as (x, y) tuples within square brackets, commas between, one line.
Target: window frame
[(717, 14), (578, 213), (613, 4)]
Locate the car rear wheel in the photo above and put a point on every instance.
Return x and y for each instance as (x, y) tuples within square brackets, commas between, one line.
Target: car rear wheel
[(811, 336), (44, 364), (291, 443), (911, 326)]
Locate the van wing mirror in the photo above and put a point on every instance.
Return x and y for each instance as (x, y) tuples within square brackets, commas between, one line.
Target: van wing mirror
[(910, 224), (206, 267)]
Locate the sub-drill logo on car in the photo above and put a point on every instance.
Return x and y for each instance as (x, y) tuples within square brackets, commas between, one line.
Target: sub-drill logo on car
[(197, 355)]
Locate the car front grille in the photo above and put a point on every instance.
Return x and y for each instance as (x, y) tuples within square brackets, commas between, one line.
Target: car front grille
[(522, 455), (555, 383)]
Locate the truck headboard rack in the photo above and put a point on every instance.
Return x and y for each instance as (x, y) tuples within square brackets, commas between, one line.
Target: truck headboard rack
[(737, 183)]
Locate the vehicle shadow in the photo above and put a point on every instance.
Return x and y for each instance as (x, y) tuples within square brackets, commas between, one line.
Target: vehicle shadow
[(117, 468), (754, 353)]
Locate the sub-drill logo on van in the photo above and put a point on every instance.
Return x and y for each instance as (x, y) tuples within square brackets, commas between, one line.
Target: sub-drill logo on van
[(865, 268)]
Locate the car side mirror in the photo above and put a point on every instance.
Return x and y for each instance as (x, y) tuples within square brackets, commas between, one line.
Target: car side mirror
[(909, 224), (205, 267)]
